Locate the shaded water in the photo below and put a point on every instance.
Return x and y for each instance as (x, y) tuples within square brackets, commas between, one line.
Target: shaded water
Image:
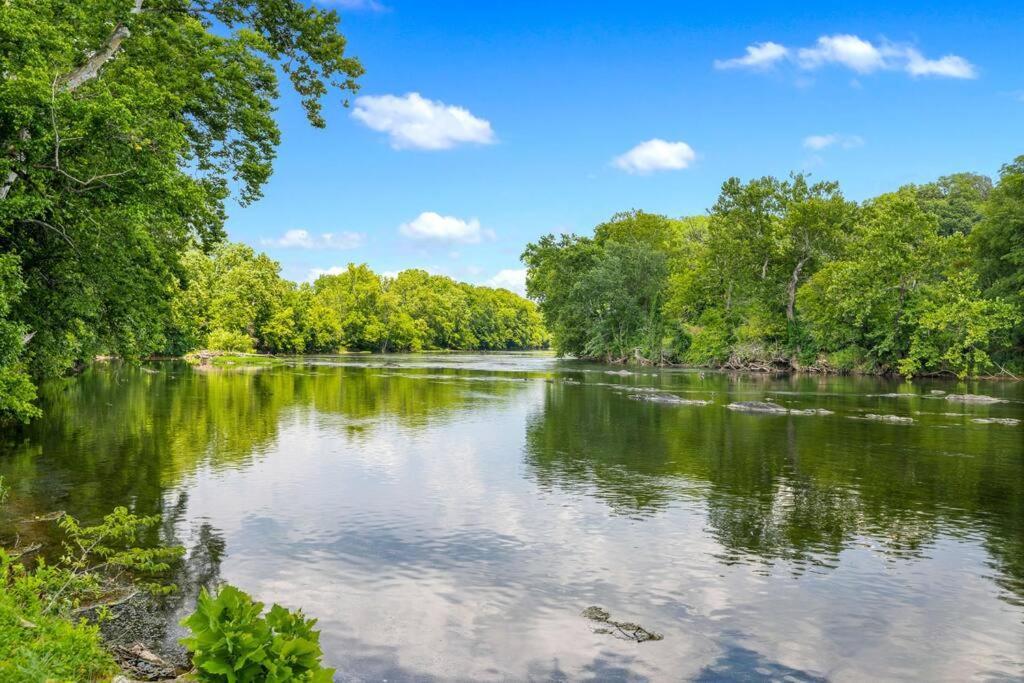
[(450, 517)]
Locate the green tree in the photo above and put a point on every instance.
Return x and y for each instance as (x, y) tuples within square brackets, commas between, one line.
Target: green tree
[(122, 124), (998, 242)]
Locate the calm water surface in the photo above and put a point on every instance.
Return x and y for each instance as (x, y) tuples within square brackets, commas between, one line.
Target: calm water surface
[(449, 517)]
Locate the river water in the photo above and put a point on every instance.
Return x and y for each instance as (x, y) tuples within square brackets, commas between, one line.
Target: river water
[(449, 517)]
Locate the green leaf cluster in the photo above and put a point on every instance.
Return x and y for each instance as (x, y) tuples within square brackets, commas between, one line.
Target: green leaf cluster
[(232, 641)]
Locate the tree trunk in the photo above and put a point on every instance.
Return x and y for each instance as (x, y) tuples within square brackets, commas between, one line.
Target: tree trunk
[(791, 290)]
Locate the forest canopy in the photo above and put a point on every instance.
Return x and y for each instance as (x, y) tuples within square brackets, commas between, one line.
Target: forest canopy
[(789, 274)]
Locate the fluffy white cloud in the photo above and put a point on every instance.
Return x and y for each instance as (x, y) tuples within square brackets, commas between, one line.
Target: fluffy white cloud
[(758, 56), (433, 226), (656, 155), (414, 122), (950, 66), (850, 51), (820, 142), (303, 239), (512, 279), (854, 53)]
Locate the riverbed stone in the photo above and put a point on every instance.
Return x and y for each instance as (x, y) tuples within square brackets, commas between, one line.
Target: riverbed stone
[(974, 398)]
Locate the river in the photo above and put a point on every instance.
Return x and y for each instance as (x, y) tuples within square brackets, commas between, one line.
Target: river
[(450, 516)]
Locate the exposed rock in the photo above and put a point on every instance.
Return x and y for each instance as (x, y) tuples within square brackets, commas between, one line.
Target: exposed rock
[(811, 411), (141, 662), (623, 630), (937, 392), (1008, 421), (621, 373), (668, 398), (895, 419), (757, 407), (974, 398)]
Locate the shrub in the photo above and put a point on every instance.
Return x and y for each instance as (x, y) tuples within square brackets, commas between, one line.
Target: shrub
[(40, 640), (709, 342), (222, 340), (850, 359), (232, 642), (40, 647)]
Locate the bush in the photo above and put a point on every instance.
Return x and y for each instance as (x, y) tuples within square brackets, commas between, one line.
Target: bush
[(709, 342), (40, 647), (850, 359), (222, 340), (40, 640), (232, 642)]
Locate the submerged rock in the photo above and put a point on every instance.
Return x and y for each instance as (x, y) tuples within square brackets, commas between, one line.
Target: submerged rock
[(621, 373), (623, 630), (974, 398), (668, 398), (895, 419), (757, 407), (811, 411), (1008, 421)]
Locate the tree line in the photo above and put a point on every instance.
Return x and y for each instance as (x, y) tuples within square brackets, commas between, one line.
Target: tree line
[(791, 274), (234, 299)]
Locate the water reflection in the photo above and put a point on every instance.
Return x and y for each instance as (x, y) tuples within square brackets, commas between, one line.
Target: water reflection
[(449, 517)]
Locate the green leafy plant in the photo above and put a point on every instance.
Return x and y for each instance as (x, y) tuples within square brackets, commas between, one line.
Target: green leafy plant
[(233, 642), (41, 638)]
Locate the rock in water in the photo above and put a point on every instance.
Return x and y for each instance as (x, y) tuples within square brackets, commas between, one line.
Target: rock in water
[(623, 630), (757, 407), (1008, 421), (667, 398), (895, 419), (812, 411), (974, 398)]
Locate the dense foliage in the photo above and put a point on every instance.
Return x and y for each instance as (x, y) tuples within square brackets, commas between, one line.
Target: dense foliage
[(233, 642), (123, 123), (235, 300), (40, 637), (789, 273)]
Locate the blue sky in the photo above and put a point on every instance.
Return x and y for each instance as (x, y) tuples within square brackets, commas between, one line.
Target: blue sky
[(485, 125)]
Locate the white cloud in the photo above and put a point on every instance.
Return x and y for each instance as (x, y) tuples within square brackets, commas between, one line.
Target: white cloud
[(950, 66), (656, 155), (317, 272), (359, 5), (758, 56), (850, 51), (414, 122), (512, 279), (433, 226), (820, 142), (303, 239), (855, 53)]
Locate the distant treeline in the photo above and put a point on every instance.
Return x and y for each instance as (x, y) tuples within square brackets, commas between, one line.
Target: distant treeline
[(790, 274), (234, 299)]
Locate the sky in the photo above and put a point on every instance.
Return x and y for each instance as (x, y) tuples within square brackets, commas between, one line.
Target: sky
[(481, 126)]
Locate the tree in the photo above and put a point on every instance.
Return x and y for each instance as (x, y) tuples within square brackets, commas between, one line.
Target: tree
[(122, 124), (998, 243), (955, 201)]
